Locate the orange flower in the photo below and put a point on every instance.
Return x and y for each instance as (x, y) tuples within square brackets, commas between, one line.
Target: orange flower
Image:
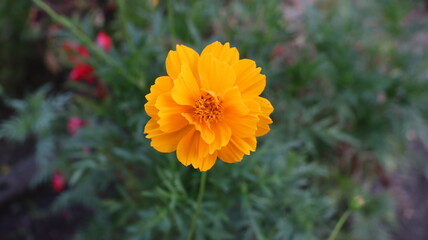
[(208, 106)]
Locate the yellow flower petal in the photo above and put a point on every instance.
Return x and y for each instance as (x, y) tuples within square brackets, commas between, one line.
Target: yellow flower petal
[(230, 154), (164, 142), (245, 144), (236, 149), (265, 120), (222, 134), (233, 103), (191, 148), (244, 127), (170, 118), (214, 75), (207, 163), (186, 89), (207, 134), (223, 53), (182, 54), (248, 78), (162, 85), (152, 129)]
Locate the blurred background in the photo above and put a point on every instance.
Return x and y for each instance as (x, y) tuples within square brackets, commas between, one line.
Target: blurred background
[(347, 78)]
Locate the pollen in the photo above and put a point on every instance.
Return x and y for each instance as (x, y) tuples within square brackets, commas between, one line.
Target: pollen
[(208, 108)]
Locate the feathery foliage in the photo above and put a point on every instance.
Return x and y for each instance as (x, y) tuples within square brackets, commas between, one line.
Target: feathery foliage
[(346, 85)]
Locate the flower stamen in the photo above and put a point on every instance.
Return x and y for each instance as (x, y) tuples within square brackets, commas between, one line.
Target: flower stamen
[(208, 108)]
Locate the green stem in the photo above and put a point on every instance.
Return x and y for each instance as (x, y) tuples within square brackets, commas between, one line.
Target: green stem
[(85, 39), (339, 224), (198, 205)]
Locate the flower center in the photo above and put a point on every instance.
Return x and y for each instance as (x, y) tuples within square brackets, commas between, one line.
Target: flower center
[(208, 108)]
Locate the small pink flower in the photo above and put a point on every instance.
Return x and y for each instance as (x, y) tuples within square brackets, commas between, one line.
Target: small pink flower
[(58, 181), (104, 41), (74, 124), (83, 72)]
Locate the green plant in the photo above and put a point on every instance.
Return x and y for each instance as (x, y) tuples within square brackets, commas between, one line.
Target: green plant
[(345, 87)]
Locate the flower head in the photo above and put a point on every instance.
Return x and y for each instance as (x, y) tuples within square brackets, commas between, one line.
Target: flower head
[(104, 41), (83, 72), (74, 124), (76, 54), (58, 181), (208, 107)]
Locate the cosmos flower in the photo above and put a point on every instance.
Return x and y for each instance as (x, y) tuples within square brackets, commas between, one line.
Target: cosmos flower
[(74, 124), (77, 54), (104, 41), (83, 72), (58, 181), (208, 107)]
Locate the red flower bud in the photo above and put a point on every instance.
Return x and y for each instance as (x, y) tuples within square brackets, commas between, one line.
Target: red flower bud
[(82, 72), (74, 124), (58, 181), (104, 41)]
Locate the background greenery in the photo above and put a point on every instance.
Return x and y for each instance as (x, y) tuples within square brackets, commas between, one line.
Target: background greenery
[(347, 82)]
